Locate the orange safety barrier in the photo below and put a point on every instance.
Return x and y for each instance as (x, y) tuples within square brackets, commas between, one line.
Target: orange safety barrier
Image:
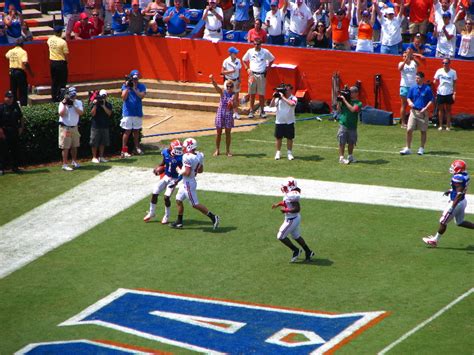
[(193, 60)]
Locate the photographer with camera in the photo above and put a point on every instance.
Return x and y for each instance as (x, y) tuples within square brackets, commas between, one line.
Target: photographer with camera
[(348, 107), (214, 17), (70, 110), (285, 103), (101, 112), (133, 93)]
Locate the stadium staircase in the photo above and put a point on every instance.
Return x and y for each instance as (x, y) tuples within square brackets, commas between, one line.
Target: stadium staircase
[(169, 94)]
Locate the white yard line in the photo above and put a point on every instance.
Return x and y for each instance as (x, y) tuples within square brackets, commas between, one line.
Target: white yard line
[(421, 325), (395, 152), (76, 211)]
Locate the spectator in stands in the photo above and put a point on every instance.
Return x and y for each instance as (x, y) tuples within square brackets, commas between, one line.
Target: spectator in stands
[(224, 116), (58, 52), (274, 22), (155, 11), (418, 46), (13, 22), (70, 110), (101, 112), (135, 19), (133, 93), (442, 6), (83, 29), (446, 33), (340, 27), (366, 22), (97, 23), (466, 48), (154, 30), (93, 5), (391, 29), (257, 61), (354, 23), (18, 64), (26, 33), (231, 72), (71, 11), (228, 9), (241, 15), (319, 36), (109, 6), (446, 78), (214, 18), (12, 125), (144, 3), (420, 99), (464, 9), (176, 18), (119, 19), (408, 69), (419, 15), (16, 3), (257, 32), (301, 21), (3, 32), (257, 9)]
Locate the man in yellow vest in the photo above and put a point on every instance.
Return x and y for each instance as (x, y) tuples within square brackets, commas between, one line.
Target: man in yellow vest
[(18, 64), (58, 52)]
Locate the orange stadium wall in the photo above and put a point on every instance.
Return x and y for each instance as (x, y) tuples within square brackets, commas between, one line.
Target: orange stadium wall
[(193, 60)]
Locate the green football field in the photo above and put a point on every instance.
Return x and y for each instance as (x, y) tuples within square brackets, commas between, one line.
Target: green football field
[(368, 258)]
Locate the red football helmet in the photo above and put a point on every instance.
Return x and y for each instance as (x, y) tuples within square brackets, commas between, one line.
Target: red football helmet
[(289, 185), (176, 148), (457, 166)]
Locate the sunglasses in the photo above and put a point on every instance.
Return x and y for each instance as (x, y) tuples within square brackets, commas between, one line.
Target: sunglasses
[(95, 15), (446, 63), (320, 26), (229, 86)]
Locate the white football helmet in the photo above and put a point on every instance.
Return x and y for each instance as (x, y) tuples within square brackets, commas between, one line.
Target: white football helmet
[(190, 144), (289, 185)]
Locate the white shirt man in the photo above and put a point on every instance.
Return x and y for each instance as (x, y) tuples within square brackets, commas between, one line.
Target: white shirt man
[(258, 59), (71, 117), (301, 17), (274, 22), (391, 27), (285, 113), (439, 12), (446, 47), (213, 16)]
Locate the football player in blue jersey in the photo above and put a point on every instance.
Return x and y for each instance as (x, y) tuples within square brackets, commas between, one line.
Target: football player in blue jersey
[(457, 203), (169, 178)]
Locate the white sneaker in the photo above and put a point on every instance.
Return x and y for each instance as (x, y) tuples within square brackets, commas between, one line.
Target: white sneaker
[(277, 156), (263, 114), (164, 220), (341, 160), (139, 151), (102, 160), (351, 159), (95, 160), (251, 115), (236, 116), (405, 151), (125, 155), (67, 168), (290, 156), (421, 151), (76, 165), (440, 128), (148, 217)]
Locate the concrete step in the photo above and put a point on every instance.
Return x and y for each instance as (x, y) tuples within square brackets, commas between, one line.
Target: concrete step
[(35, 99), (44, 21), (178, 86), (31, 13), (85, 87), (182, 95), (42, 31), (24, 5), (183, 105)]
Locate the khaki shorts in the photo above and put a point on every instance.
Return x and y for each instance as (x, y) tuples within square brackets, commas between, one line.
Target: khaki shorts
[(417, 120), (421, 27), (257, 84), (69, 137)]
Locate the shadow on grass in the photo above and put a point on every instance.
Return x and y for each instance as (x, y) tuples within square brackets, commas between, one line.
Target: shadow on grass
[(316, 262), (33, 171), (469, 248), (248, 155), (373, 162), (441, 152), (206, 226), (95, 167), (309, 158), (124, 161)]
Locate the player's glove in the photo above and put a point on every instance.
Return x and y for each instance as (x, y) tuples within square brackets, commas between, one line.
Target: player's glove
[(446, 193)]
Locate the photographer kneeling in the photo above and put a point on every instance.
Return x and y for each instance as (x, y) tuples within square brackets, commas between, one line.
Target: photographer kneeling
[(348, 107), (101, 112), (285, 103)]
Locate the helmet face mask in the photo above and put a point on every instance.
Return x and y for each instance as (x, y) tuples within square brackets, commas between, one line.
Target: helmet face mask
[(457, 166), (176, 147)]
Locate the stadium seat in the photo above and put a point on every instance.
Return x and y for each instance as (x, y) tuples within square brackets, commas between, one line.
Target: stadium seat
[(231, 35), (195, 15), (377, 46)]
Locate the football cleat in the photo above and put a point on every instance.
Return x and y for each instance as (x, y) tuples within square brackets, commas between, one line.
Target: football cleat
[(457, 166), (295, 256), (289, 185), (310, 256), (216, 222), (149, 216), (176, 225), (164, 220), (190, 144), (176, 148), (430, 241)]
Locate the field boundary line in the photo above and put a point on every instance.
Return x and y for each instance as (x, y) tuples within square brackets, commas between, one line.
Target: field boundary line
[(429, 320), (363, 150)]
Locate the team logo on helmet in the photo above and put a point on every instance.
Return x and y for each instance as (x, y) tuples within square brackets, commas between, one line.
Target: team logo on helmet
[(190, 144), (457, 166), (176, 147), (289, 185)]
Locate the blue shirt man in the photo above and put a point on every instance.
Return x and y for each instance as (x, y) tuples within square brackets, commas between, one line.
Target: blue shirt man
[(176, 18), (242, 10), (420, 98), (72, 7)]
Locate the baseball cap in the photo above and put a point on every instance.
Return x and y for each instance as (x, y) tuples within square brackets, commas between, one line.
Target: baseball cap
[(340, 12), (103, 92), (233, 50), (274, 3), (83, 16), (365, 13), (389, 10), (134, 73), (72, 91), (8, 94), (447, 14)]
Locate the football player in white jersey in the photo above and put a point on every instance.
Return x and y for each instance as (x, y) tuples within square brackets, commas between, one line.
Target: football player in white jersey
[(457, 203), (291, 224), (192, 165)]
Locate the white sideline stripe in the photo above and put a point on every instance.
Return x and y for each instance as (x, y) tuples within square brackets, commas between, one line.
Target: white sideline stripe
[(469, 156), (421, 325), (67, 216), (76, 211)]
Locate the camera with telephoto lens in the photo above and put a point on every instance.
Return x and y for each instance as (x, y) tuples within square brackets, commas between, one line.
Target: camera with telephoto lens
[(65, 97), (129, 81), (346, 93), (100, 99), (279, 90)]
